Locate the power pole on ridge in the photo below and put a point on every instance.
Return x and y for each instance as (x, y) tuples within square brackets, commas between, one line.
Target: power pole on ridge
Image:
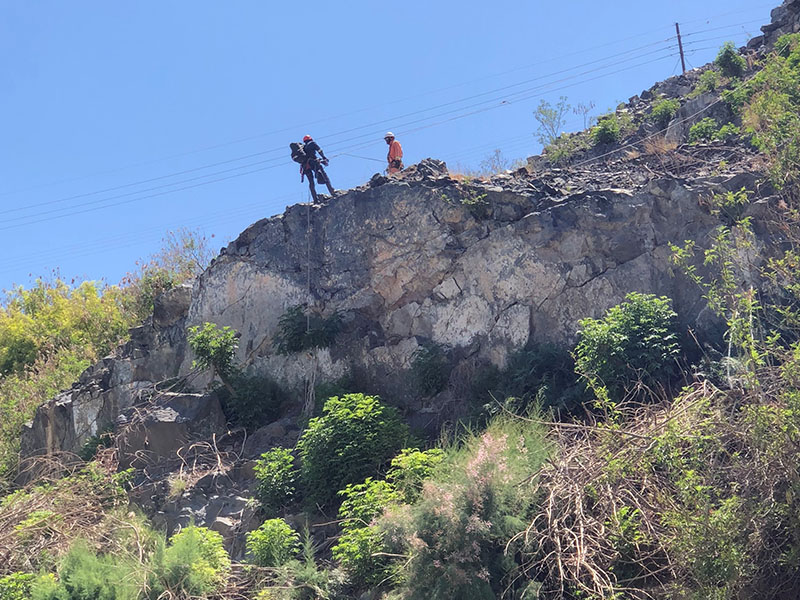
[(680, 47)]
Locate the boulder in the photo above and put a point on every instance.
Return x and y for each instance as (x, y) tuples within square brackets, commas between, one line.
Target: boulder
[(156, 432)]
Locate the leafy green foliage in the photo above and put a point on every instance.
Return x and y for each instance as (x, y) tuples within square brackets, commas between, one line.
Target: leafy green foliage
[(703, 131), (353, 437), (430, 369), (299, 329), (249, 400), (635, 343), (611, 128), (551, 120), (606, 131), (16, 586), (727, 131), (663, 111), (277, 479), (273, 544), (543, 374), (214, 348), (194, 563), (708, 81), (455, 534), (564, 147), (730, 205), (84, 575), (729, 61), (359, 547), (53, 317), (410, 468), (255, 400), (769, 105)]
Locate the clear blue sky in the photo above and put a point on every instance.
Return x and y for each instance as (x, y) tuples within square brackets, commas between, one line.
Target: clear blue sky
[(96, 95)]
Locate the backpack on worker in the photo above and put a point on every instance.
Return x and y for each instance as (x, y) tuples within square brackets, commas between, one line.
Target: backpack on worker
[(298, 154)]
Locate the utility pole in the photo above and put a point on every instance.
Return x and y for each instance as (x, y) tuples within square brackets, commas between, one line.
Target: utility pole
[(680, 47)]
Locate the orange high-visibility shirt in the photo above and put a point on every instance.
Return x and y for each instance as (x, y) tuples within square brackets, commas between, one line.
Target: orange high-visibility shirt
[(395, 152)]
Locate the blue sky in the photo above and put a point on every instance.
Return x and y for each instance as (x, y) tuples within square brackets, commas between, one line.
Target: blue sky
[(124, 120)]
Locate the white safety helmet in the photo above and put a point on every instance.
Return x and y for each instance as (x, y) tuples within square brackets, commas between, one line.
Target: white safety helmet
[(389, 134)]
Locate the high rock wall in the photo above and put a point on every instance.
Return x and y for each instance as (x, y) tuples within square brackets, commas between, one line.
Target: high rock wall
[(480, 268)]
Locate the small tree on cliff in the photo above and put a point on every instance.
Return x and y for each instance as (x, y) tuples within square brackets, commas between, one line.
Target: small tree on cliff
[(215, 348)]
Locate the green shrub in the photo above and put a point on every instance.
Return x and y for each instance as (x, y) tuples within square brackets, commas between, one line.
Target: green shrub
[(456, 535), (361, 540), (16, 586), (410, 468), (430, 369), (364, 502), (729, 61), (255, 401), (273, 544), (84, 575), (361, 553), (703, 130), (612, 128), (636, 342), (726, 132), (769, 105), (606, 131), (565, 146), (361, 546), (194, 563), (103, 439), (709, 81), (663, 111), (353, 437), (299, 329), (543, 374), (215, 348), (277, 478)]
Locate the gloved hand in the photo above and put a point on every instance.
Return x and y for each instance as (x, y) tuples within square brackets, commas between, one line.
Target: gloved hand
[(325, 161)]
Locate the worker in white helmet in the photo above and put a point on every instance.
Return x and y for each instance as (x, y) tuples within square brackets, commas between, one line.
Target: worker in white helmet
[(395, 156)]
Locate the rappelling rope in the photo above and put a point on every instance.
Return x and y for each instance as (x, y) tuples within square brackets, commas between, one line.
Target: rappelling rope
[(357, 156)]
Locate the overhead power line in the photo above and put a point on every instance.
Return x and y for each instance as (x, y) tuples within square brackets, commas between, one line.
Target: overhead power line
[(457, 113), (369, 135)]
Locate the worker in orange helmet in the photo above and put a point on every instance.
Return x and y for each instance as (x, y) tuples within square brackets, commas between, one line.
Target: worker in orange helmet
[(395, 156)]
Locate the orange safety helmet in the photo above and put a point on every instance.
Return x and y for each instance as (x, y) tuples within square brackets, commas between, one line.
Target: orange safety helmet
[(306, 138)]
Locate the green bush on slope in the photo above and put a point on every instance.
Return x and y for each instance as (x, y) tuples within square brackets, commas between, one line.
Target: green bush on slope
[(634, 345), (353, 437)]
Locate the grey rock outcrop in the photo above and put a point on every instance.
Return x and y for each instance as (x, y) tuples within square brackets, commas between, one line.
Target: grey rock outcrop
[(108, 388), (784, 19), (481, 269)]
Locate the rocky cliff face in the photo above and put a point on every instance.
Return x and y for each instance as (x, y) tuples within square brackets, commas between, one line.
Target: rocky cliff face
[(481, 268)]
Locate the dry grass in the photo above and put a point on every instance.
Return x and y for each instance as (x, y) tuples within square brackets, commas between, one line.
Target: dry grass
[(602, 476), (658, 146), (39, 522)]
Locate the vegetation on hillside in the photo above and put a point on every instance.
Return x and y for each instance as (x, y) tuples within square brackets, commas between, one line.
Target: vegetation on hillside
[(660, 480), (52, 331)]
